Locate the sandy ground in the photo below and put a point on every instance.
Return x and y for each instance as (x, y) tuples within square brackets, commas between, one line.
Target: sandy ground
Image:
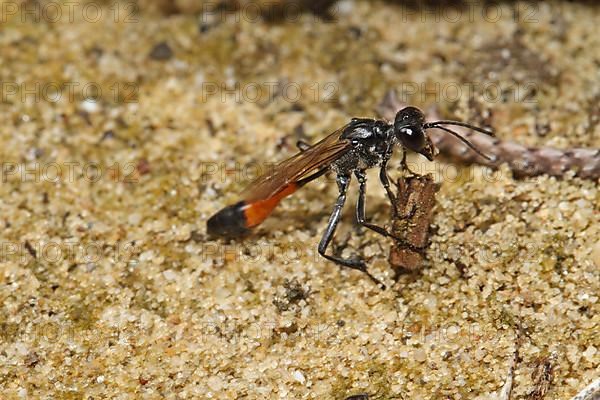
[(121, 135)]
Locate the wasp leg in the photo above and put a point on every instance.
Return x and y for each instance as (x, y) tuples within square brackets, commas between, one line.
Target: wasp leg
[(312, 177), (383, 178), (360, 214), (343, 181), (302, 145), (405, 165)]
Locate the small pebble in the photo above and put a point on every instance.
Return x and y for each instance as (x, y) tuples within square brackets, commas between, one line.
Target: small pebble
[(589, 353), (161, 52), (420, 355), (299, 377), (215, 383), (90, 105), (596, 254), (134, 219), (170, 275)]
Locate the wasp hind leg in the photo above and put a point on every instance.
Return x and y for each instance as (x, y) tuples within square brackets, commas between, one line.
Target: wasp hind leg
[(343, 182)]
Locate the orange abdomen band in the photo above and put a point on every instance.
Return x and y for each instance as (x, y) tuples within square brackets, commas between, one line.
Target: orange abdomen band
[(257, 212)]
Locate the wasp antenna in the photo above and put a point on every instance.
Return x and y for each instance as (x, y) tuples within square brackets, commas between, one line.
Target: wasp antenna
[(462, 139), (464, 124)]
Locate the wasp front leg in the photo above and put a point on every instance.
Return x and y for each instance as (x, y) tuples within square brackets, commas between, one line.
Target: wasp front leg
[(360, 213), (385, 182)]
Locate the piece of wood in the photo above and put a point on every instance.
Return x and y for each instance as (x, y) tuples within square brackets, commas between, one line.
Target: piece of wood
[(414, 204)]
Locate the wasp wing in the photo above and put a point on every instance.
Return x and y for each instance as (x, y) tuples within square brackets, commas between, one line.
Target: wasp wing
[(290, 171)]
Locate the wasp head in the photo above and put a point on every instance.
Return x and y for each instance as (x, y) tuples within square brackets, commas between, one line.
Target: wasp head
[(410, 131)]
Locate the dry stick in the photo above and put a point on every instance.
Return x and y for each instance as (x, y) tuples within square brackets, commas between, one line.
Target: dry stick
[(414, 205), (590, 392), (542, 376), (506, 390), (523, 161)]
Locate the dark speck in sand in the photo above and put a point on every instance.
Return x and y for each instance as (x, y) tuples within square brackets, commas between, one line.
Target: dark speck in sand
[(161, 52)]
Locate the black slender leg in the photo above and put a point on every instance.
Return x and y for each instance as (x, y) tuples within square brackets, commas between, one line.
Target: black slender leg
[(302, 145), (312, 177), (383, 178), (343, 182), (360, 213), (404, 164)]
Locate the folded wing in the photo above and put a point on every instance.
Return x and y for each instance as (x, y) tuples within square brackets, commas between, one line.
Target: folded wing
[(288, 172)]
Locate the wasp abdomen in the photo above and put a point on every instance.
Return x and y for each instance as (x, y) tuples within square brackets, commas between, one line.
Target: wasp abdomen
[(229, 222), (238, 219)]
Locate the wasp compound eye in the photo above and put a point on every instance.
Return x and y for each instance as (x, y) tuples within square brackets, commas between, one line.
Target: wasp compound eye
[(412, 137)]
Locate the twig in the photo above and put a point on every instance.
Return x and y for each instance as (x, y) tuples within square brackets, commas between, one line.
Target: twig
[(506, 391), (543, 376), (414, 205), (590, 392), (523, 161)]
